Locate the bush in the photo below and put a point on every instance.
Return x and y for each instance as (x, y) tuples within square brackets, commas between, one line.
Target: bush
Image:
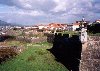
[(6, 53), (94, 28)]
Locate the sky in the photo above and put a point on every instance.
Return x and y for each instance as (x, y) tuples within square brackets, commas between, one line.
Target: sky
[(30, 12)]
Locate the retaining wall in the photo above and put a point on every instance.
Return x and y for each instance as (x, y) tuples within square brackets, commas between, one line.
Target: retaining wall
[(91, 56)]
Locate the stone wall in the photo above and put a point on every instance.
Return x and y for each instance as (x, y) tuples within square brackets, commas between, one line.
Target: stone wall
[(50, 38), (33, 40), (91, 56), (7, 52)]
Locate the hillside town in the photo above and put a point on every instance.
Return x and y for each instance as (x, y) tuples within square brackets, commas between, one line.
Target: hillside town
[(47, 28), (38, 31)]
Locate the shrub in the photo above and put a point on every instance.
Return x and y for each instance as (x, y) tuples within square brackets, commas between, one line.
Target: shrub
[(6, 53)]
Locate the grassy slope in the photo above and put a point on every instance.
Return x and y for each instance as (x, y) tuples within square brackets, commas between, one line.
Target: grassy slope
[(35, 58)]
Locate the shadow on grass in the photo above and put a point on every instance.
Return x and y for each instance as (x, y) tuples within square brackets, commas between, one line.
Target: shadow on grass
[(67, 50)]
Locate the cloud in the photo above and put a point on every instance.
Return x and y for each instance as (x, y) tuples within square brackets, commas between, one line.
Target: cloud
[(7, 2), (31, 13), (50, 10), (51, 5), (60, 5), (1, 16)]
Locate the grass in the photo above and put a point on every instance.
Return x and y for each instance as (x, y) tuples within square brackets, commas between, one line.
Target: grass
[(34, 58), (70, 32), (96, 34)]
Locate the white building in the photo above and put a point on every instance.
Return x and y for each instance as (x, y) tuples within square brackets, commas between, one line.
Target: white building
[(98, 21), (41, 26), (27, 27), (75, 26)]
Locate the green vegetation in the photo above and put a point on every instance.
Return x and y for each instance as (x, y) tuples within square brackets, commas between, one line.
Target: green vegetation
[(96, 34), (15, 43), (94, 29), (34, 58), (70, 32)]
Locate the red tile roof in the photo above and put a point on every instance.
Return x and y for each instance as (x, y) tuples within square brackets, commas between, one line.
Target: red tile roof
[(57, 25)]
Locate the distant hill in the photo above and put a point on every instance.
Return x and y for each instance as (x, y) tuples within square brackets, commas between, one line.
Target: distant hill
[(3, 23)]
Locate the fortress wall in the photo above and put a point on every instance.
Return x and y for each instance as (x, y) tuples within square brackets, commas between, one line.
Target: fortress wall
[(91, 56)]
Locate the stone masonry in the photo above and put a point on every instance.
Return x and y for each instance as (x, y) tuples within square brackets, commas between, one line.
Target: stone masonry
[(90, 58)]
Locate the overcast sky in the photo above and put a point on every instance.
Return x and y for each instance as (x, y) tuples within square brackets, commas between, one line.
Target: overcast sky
[(29, 12)]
